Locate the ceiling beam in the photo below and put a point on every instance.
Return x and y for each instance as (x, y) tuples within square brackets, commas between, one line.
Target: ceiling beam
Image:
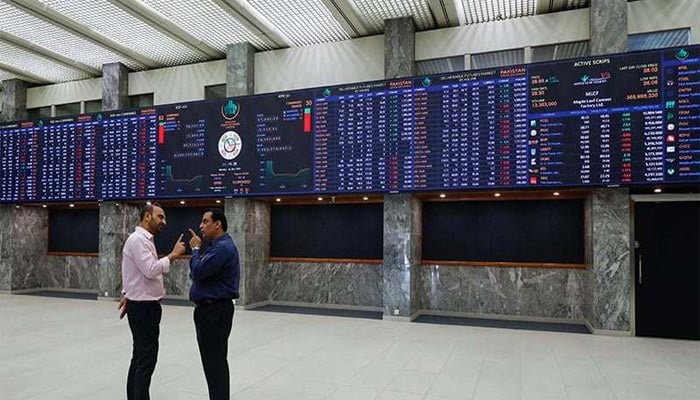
[(140, 11), (348, 16), (448, 12), (57, 19), (24, 75), (255, 22), (48, 54)]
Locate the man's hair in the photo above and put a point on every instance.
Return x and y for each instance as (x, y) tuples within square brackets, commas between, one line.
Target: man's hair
[(147, 209), (217, 214)]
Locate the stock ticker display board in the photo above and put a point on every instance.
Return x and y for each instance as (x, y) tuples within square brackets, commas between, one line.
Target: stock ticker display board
[(602, 121)]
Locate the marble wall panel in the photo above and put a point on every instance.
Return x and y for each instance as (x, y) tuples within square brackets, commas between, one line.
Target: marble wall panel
[(507, 291), (326, 283)]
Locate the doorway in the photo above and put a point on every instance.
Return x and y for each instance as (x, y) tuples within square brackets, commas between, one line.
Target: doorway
[(667, 269)]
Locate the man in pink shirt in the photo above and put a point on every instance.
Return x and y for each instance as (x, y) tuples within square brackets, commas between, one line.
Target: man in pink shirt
[(142, 281)]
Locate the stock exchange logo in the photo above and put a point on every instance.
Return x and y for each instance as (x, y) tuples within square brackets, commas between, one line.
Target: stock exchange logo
[(230, 145), (230, 110), (682, 54)]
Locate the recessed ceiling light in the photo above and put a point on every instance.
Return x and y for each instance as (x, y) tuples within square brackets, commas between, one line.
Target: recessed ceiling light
[(365, 198), (71, 205), (16, 206), (148, 203), (320, 199), (278, 199), (218, 202), (556, 193), (43, 206), (657, 190), (497, 195), (182, 202), (442, 195)]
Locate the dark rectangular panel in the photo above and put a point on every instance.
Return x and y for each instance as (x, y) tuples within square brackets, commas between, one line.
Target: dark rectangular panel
[(74, 231), (351, 231), (539, 231)]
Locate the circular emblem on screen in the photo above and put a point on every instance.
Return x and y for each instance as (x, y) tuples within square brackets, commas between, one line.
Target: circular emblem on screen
[(230, 145), (230, 110), (682, 54)]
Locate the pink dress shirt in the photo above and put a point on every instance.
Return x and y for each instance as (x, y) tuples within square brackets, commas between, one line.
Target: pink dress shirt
[(142, 271)]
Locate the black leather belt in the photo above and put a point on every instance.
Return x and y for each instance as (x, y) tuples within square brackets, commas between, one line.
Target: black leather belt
[(210, 301)]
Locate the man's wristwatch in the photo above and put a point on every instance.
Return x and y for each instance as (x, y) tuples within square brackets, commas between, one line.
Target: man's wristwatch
[(195, 248)]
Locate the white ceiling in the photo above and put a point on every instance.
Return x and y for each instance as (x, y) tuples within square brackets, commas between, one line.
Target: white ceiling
[(46, 41)]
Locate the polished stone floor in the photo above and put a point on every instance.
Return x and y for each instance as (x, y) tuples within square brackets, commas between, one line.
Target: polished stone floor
[(53, 349)]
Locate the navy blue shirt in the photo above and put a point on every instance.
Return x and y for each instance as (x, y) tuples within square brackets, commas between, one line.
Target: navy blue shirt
[(215, 273)]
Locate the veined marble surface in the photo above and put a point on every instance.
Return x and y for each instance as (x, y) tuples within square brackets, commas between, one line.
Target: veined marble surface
[(612, 269), (515, 291), (29, 246), (249, 226), (326, 283), (71, 272), (608, 26), (117, 222), (402, 254)]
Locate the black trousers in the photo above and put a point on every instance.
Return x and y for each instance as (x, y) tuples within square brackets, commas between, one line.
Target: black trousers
[(213, 323), (144, 322)]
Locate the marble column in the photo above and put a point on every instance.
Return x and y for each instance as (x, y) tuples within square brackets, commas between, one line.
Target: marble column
[(611, 270), (14, 100), (249, 226), (23, 259), (249, 220), (117, 221), (399, 48), (402, 255), (240, 69), (115, 86), (402, 212), (6, 246), (608, 26)]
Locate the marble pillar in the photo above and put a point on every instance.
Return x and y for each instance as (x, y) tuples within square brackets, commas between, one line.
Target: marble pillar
[(402, 212), (399, 47), (14, 100), (6, 246), (608, 26), (240, 69), (23, 247), (402, 255), (115, 86), (249, 226), (607, 210), (611, 270), (117, 222), (177, 281)]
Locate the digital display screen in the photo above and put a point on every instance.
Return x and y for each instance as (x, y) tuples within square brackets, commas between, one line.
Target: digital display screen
[(601, 121)]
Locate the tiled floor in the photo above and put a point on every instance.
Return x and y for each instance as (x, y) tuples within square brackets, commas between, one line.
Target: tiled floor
[(53, 349)]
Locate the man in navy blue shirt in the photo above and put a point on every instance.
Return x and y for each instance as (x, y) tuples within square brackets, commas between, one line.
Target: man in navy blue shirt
[(215, 274)]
